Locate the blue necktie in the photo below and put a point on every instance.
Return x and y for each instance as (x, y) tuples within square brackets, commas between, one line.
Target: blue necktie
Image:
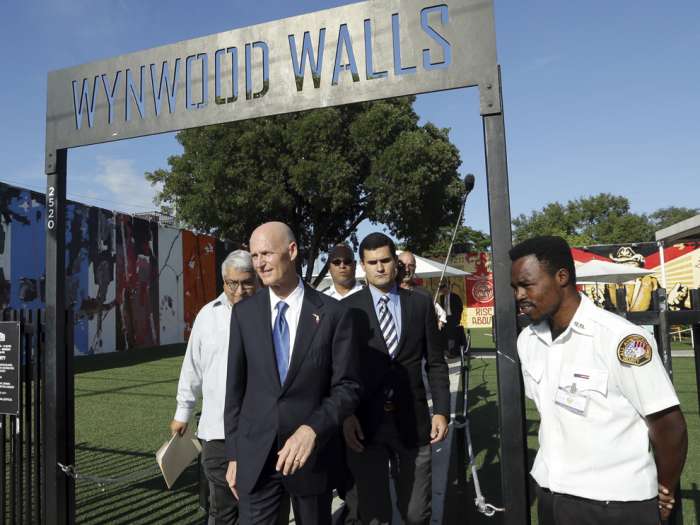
[(280, 338)]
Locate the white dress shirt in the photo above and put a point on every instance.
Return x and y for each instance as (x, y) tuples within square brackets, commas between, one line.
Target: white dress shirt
[(203, 371), (294, 301), (594, 440), (332, 292)]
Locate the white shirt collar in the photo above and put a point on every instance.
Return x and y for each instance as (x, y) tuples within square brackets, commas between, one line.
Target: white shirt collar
[(579, 322), (293, 299), (224, 300), (333, 292)]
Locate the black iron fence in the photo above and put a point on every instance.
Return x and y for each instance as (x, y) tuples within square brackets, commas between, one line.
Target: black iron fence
[(21, 478)]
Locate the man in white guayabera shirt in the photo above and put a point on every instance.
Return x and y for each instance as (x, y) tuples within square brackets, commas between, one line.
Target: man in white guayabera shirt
[(204, 374)]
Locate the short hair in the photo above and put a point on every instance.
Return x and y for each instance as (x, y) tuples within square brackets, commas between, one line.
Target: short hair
[(341, 247), (552, 252), (374, 241), (239, 260)]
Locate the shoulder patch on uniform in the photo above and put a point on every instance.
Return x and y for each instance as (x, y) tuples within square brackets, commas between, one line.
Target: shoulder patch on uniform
[(634, 350), (217, 303)]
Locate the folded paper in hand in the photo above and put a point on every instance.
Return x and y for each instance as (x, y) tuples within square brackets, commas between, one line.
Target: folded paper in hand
[(176, 455)]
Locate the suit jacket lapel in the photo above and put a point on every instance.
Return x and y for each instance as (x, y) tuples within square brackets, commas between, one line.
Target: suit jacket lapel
[(309, 320), (268, 347), (406, 311)]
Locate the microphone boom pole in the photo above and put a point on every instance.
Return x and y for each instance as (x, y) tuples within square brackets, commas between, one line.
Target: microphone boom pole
[(469, 186)]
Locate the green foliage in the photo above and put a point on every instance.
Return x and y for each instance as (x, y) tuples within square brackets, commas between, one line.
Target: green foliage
[(664, 217), (322, 172), (467, 240), (600, 219)]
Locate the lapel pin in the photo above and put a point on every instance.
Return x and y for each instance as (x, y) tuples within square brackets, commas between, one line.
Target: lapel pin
[(316, 318)]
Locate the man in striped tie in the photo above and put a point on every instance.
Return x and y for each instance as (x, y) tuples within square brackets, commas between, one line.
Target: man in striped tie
[(396, 330)]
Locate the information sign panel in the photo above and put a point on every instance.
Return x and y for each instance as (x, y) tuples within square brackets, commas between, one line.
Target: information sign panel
[(9, 368)]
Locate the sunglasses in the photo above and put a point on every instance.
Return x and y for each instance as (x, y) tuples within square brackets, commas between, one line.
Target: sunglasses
[(346, 262)]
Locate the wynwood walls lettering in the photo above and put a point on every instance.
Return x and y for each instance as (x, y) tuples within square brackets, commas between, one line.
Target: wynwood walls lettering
[(241, 72)]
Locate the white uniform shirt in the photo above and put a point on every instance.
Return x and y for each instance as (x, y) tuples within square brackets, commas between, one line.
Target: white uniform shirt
[(203, 370), (603, 453), (332, 292), (294, 300)]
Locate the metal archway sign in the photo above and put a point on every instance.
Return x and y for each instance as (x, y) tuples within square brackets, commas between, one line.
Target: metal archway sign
[(358, 52)]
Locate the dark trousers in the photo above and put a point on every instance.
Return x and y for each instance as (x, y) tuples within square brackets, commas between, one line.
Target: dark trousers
[(268, 503), (413, 477), (223, 507), (562, 509)]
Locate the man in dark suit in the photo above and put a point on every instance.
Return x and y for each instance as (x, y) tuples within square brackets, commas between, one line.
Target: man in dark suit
[(452, 304), (396, 332), (291, 381)]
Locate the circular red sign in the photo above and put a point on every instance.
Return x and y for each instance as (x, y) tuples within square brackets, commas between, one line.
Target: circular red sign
[(483, 291)]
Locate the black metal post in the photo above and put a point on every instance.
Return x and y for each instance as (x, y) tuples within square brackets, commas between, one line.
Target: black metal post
[(38, 469), (57, 421), (621, 298), (662, 330), (695, 327), (514, 482)]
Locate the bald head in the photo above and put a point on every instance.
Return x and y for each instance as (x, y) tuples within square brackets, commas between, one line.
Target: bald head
[(275, 230), (273, 248), (409, 269)]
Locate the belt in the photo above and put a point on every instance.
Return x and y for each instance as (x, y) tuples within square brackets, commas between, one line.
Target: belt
[(589, 500)]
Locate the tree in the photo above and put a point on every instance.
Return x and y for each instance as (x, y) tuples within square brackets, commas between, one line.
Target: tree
[(322, 172), (600, 219), (467, 240), (665, 217)]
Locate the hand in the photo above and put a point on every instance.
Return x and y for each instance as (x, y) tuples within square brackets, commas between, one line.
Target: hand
[(296, 450), (177, 427), (438, 432), (666, 502), (231, 478), (352, 431)]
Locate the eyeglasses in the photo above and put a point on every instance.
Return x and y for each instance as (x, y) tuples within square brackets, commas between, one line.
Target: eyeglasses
[(346, 262), (234, 285)]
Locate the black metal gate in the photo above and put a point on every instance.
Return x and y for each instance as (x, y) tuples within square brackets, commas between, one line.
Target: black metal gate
[(21, 476)]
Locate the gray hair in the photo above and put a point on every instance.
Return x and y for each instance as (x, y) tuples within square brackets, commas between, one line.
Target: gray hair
[(239, 260)]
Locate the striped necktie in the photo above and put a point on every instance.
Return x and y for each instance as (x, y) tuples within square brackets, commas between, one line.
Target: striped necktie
[(387, 326)]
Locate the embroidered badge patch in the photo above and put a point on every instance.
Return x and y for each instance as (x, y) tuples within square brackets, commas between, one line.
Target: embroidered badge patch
[(634, 350)]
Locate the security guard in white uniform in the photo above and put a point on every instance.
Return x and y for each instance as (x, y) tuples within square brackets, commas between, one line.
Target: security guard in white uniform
[(612, 437), (204, 373)]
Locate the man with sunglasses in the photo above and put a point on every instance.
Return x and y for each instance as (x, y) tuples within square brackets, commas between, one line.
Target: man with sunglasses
[(342, 269), (204, 373)]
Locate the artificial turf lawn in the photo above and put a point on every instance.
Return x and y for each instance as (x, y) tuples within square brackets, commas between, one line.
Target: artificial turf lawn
[(124, 402), (123, 405)]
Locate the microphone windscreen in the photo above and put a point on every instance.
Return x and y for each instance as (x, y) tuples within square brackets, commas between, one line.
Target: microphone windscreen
[(469, 182)]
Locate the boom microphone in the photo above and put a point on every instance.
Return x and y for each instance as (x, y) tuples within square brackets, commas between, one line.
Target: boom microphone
[(468, 187), (468, 184)]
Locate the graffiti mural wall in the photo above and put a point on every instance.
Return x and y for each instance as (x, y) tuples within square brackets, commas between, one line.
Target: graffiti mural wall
[(130, 283)]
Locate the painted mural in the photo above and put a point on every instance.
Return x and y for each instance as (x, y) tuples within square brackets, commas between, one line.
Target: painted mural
[(137, 283), (199, 272), (170, 280), (130, 283)]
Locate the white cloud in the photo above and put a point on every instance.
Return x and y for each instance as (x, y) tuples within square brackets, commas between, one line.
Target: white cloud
[(123, 184)]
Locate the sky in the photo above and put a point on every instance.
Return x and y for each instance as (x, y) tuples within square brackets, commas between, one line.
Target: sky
[(598, 96)]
